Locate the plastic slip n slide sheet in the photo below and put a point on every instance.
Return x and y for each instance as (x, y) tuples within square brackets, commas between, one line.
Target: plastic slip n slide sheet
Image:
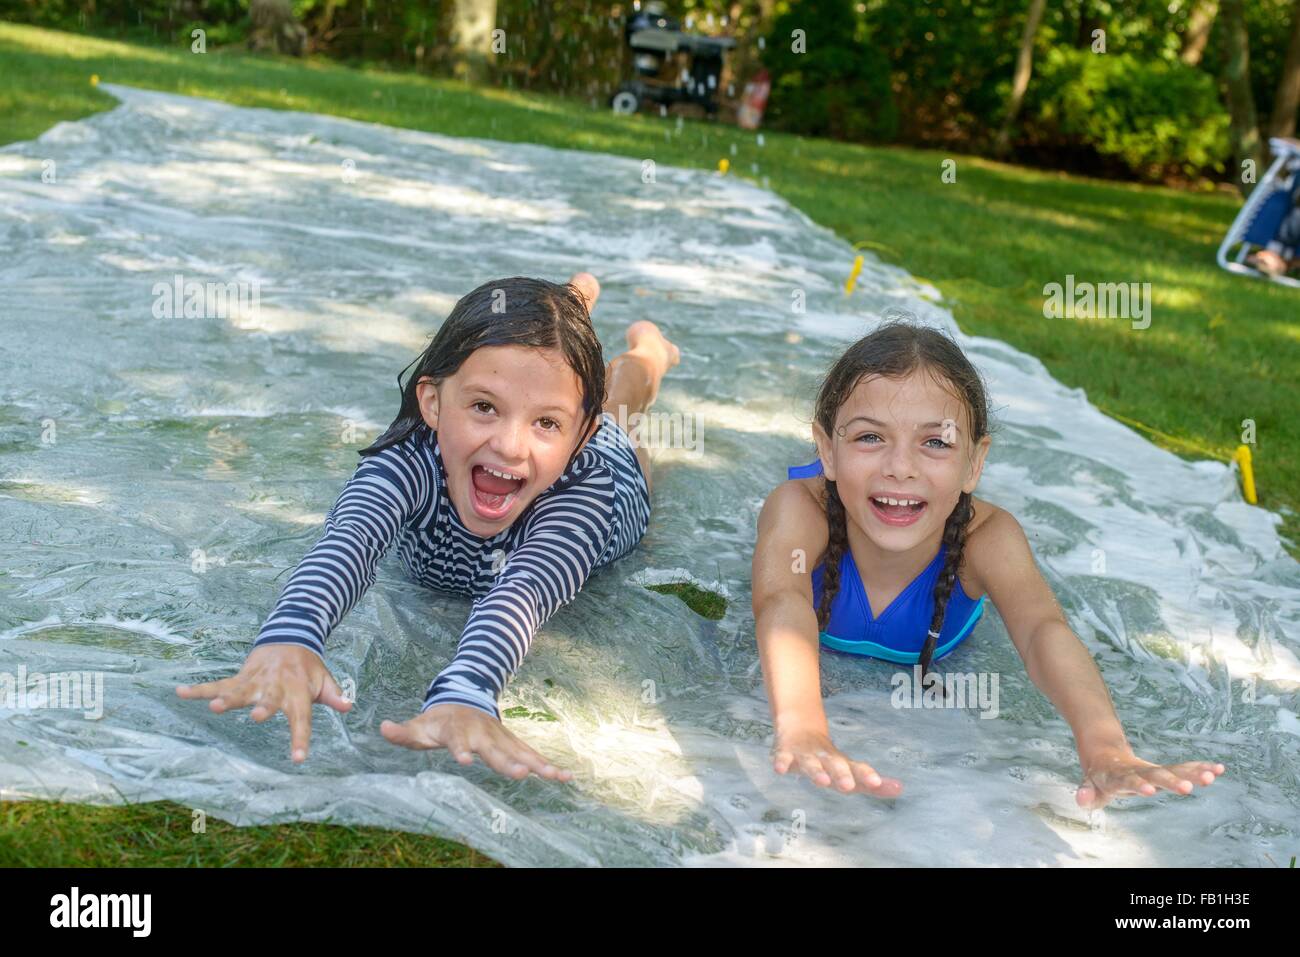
[(160, 472)]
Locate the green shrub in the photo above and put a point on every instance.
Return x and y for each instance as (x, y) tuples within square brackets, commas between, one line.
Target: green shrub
[(1153, 115), (165, 20), (838, 86)]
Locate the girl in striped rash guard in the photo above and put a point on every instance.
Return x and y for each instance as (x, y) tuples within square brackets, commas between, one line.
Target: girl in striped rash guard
[(506, 476)]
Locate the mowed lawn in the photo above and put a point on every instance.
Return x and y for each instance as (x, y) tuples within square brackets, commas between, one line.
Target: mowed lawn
[(166, 834), (1220, 349)]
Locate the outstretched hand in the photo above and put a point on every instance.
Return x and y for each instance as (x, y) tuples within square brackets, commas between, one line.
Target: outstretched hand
[(1120, 772), (466, 731), (813, 754), (273, 678)]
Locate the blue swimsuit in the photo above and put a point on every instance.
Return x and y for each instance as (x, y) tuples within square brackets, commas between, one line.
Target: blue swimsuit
[(900, 631)]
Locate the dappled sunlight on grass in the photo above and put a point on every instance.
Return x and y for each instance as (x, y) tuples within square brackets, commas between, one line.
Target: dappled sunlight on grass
[(523, 101), (1057, 218), (1286, 330), (161, 834), (72, 46), (1178, 297)]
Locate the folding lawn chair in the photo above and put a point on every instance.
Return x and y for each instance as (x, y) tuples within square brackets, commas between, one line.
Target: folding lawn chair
[(1260, 218)]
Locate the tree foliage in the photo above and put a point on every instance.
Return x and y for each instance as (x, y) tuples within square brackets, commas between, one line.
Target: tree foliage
[(925, 72), (828, 78)]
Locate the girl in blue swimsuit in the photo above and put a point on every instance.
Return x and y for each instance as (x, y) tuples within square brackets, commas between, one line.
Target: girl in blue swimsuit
[(898, 633), (879, 548)]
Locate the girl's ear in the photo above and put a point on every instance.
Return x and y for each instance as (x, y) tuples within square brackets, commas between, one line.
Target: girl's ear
[(977, 466), (426, 394), (824, 446)]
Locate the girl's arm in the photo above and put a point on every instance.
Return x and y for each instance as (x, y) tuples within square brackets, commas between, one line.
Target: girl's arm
[(384, 492), (564, 538), (562, 542), (285, 670), (791, 538), (1060, 666)]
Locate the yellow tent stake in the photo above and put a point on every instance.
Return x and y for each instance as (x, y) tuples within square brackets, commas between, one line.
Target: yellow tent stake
[(853, 276), (1242, 458)]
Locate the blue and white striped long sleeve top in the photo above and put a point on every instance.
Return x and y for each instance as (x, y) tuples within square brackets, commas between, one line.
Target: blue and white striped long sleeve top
[(592, 515)]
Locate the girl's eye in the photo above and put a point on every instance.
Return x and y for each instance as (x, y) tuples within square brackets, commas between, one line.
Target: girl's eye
[(487, 406), (942, 444), (549, 428), (865, 435)]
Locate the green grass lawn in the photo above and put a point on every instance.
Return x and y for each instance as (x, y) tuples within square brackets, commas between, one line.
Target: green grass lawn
[(1219, 349), (163, 834)]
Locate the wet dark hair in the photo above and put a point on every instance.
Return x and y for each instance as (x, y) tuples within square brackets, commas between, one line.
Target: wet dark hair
[(894, 350), (516, 311)]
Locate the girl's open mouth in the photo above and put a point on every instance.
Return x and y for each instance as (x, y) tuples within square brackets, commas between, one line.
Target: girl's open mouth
[(493, 491), (904, 511)]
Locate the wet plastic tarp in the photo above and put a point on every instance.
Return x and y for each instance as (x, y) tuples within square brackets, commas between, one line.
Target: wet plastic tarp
[(161, 469)]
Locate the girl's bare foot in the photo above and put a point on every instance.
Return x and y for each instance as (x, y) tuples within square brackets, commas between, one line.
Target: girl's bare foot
[(587, 285), (646, 341)]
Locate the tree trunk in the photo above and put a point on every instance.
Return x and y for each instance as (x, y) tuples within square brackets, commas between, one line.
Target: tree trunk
[(1287, 101), (1024, 67), (471, 38), (274, 27), (1197, 33), (1241, 102)]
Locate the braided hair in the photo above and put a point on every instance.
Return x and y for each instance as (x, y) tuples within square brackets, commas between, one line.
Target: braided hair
[(894, 350)]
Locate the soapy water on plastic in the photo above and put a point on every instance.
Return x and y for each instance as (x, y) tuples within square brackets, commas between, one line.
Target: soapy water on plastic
[(160, 474)]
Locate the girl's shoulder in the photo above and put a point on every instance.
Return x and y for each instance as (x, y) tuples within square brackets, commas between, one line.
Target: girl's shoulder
[(981, 524), (606, 461), (794, 515), (984, 513), (993, 536), (596, 464), (791, 525), (411, 469), (801, 497), (590, 482)]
